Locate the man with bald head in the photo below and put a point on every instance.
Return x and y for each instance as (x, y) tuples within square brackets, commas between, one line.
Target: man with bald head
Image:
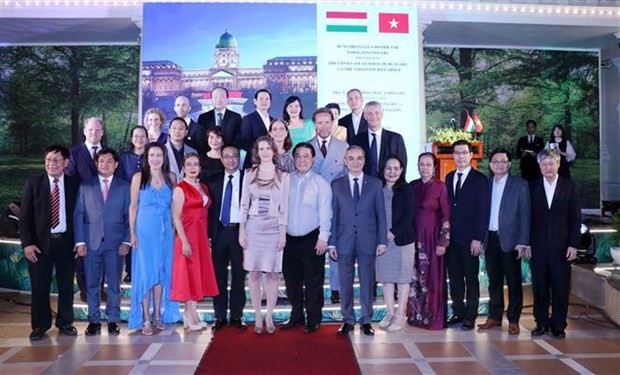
[(222, 117), (182, 108)]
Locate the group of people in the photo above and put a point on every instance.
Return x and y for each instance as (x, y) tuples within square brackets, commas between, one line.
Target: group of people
[(181, 210)]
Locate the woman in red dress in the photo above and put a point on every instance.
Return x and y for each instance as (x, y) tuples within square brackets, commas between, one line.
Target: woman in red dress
[(193, 277)]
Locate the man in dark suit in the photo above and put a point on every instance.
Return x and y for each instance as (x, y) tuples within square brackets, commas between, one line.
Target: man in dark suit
[(354, 122), (220, 116), (101, 222), (46, 233), (182, 108), (528, 148), (377, 142), (555, 234), (507, 238), (225, 190), (82, 164), (358, 233), (468, 194), (255, 124)]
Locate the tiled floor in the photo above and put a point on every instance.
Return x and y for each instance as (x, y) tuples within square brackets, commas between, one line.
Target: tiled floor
[(592, 346)]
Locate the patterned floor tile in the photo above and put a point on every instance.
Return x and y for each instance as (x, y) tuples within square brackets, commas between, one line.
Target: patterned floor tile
[(381, 351)]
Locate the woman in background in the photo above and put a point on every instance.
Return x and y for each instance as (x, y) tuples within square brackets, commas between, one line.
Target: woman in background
[(150, 225), (300, 129), (262, 227), (211, 162), (193, 277), (396, 265), (559, 140), (340, 132), (154, 119), (282, 138), (432, 226)]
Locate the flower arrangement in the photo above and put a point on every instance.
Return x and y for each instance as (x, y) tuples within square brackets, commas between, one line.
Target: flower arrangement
[(449, 135)]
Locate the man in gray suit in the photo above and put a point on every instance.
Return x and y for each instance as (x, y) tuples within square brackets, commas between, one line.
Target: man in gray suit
[(507, 239), (101, 225), (329, 163), (176, 147), (358, 233)]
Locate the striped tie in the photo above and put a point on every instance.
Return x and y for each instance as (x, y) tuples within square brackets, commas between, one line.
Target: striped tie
[(55, 200)]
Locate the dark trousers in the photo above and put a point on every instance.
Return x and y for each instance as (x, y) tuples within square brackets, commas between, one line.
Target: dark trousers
[(97, 264), (502, 264), (463, 273), (304, 275), (60, 257), (226, 250), (550, 282)]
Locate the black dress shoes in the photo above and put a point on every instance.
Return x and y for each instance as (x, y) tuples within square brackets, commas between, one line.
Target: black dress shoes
[(37, 334), (467, 325), (539, 331), (368, 330), (93, 329), (558, 333), (291, 324), (218, 324), (311, 328), (238, 323), (68, 330), (345, 329), (335, 296), (454, 320), (113, 329)]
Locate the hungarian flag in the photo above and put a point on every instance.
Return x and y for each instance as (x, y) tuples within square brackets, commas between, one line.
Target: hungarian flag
[(346, 22), (470, 125), (394, 23), (479, 126)]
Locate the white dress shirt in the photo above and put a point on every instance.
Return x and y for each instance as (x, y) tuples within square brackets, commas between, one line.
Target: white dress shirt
[(465, 173), (310, 205), (234, 204), (360, 180), (496, 200), (356, 119), (550, 189)]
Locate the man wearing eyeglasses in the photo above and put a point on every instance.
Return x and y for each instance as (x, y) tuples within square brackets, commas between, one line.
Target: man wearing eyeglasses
[(506, 242), (225, 190), (468, 193)]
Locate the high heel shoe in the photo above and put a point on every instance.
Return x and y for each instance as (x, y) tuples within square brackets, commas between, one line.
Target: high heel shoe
[(147, 328), (386, 321), (189, 324), (398, 323), (269, 326)]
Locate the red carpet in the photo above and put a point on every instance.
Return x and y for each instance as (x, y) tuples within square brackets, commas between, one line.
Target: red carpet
[(233, 351)]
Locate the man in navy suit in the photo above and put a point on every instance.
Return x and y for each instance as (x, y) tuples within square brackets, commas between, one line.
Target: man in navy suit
[(46, 233), (555, 235), (82, 164), (468, 194), (507, 239), (377, 142), (222, 117), (224, 235), (528, 148), (256, 124), (182, 108), (354, 122), (358, 233), (101, 222)]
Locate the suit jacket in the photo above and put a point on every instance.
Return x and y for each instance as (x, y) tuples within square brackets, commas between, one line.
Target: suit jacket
[(252, 127), (95, 221), (529, 165), (554, 229), (231, 126), (347, 122), (469, 216), (514, 213), (362, 225), (216, 192), (36, 213), (392, 143), (196, 136), (330, 166), (81, 163), (174, 168), (403, 210)]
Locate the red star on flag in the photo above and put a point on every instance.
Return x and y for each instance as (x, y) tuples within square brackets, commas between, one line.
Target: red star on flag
[(394, 23)]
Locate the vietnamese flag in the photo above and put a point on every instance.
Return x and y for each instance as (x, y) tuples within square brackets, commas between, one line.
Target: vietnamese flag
[(394, 23)]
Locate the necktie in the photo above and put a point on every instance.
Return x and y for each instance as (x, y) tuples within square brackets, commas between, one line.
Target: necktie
[(94, 148), (219, 119), (105, 190), (356, 190), (324, 148), (55, 202), (374, 163), (531, 139), (225, 220), (458, 186)]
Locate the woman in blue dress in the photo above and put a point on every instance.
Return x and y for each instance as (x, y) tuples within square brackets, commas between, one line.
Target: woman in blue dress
[(150, 222)]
